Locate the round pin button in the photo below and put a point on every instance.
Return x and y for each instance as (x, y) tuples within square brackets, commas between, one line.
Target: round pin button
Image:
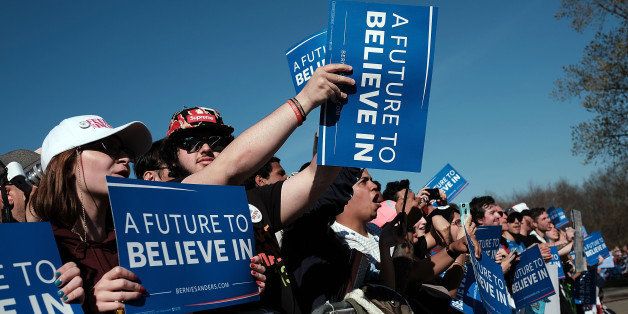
[(256, 214)]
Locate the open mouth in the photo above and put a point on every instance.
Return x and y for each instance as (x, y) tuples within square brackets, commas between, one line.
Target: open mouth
[(376, 198)]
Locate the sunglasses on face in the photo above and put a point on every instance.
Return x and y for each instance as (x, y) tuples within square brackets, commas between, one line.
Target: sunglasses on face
[(193, 144), (110, 146)]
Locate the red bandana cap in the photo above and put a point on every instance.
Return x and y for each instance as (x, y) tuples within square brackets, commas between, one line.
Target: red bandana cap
[(198, 118)]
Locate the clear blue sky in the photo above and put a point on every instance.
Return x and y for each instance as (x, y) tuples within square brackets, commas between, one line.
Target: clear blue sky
[(490, 113)]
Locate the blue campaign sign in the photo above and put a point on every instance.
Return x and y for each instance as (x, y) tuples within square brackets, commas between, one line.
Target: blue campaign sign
[(448, 180), (558, 217), (594, 246), (468, 298), (530, 279), (584, 287), (189, 244), (556, 261), (391, 50), (305, 57), (488, 238), (490, 281), (28, 260), (515, 246)]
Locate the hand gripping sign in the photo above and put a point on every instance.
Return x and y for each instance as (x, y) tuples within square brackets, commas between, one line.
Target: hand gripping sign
[(189, 244), (28, 260), (391, 50)]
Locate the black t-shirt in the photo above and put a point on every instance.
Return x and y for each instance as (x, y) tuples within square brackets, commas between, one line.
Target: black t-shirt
[(266, 214), (528, 240), (319, 261)]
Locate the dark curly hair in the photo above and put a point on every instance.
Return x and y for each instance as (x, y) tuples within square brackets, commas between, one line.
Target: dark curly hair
[(477, 206), (263, 172), (536, 212), (390, 193), (151, 160)]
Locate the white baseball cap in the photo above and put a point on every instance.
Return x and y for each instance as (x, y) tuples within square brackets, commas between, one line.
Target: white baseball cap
[(80, 130), (520, 207)]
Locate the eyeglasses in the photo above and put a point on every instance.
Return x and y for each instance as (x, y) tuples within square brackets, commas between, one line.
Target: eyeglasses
[(515, 220), (193, 144), (111, 146)]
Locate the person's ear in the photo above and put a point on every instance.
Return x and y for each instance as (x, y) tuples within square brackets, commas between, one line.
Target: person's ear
[(259, 181), (148, 176)]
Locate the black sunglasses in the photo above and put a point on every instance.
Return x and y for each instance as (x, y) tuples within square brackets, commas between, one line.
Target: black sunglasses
[(110, 146), (193, 144)]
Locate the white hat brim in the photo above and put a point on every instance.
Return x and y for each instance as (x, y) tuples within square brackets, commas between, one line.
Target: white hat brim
[(135, 136)]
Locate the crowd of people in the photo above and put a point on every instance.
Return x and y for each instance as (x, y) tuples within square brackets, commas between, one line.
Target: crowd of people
[(328, 238)]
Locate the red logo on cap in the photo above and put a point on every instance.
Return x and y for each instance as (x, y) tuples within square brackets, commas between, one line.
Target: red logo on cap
[(98, 123), (201, 118)]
